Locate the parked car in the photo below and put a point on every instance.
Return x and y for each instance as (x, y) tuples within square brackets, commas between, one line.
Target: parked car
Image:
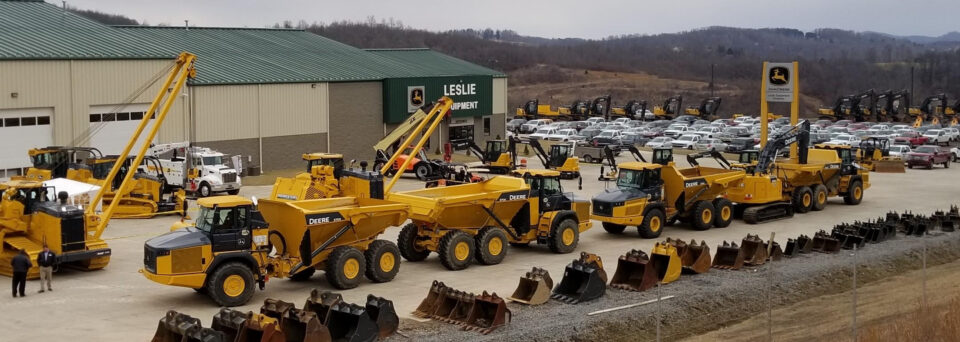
[(514, 124), (675, 131), (565, 134), (709, 131), (899, 127), (937, 137), (532, 125), (912, 138), (955, 152), (740, 144), (710, 144), (846, 139), (542, 133), (842, 123), (596, 120), (660, 142), (588, 133), (927, 156), (608, 137), (899, 151), (687, 141), (952, 133), (622, 121), (880, 127), (823, 123)]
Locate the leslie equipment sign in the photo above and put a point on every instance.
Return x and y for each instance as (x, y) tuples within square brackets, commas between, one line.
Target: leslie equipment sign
[(461, 89)]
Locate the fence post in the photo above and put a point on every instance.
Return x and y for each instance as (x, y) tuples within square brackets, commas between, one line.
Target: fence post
[(854, 326), (658, 311), (770, 288), (923, 302)]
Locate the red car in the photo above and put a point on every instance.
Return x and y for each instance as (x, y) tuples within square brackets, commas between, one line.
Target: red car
[(927, 156), (913, 139)]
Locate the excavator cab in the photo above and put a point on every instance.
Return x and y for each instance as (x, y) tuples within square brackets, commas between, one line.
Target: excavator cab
[(494, 149), (334, 160), (662, 156), (60, 162), (669, 109), (707, 110), (563, 159), (529, 109)]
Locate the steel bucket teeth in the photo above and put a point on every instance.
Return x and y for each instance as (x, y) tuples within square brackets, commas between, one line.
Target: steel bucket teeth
[(534, 287), (320, 303), (429, 304), (351, 323), (729, 256), (488, 312), (382, 312), (583, 280), (666, 261), (753, 250)]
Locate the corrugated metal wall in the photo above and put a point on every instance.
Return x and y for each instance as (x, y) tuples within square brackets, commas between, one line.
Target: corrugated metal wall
[(226, 112), (500, 95)]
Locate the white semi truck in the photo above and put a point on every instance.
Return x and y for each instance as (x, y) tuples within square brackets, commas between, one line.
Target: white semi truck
[(199, 170)]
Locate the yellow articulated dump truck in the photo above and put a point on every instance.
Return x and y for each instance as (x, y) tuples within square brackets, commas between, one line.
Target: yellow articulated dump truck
[(236, 243)]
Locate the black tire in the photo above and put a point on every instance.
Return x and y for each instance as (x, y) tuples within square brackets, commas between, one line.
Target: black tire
[(946, 164), (383, 261), (345, 267), (588, 158), (724, 212), (564, 236), (491, 245), (233, 192), (223, 284), (854, 193), (613, 228), (407, 240), (303, 275), (819, 197), (702, 216), (204, 190), (520, 244), (652, 224), (802, 199), (456, 250), (422, 170)]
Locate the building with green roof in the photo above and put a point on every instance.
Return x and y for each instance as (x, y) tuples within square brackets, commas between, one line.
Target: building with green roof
[(266, 94)]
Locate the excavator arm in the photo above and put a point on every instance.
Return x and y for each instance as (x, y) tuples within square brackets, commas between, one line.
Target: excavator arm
[(799, 134), (477, 151), (692, 158), (538, 150)]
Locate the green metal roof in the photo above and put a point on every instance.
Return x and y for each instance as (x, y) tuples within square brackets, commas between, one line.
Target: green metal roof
[(428, 63), (38, 30)]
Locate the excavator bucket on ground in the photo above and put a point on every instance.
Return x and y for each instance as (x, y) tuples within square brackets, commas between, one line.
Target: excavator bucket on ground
[(454, 306), (729, 256), (178, 327), (351, 323), (583, 280), (666, 261), (429, 304), (303, 326), (634, 272), (275, 308), (534, 287), (320, 303), (260, 328), (802, 244), (824, 243), (488, 312), (229, 322), (382, 312), (889, 166), (849, 237), (754, 251), (775, 253), (694, 258)]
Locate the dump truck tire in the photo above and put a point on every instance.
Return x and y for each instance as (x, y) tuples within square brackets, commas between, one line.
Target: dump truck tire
[(456, 250), (383, 261), (854, 193), (702, 216), (491, 245), (564, 236), (819, 197), (614, 228), (345, 267), (724, 212), (407, 242), (304, 275), (802, 199), (652, 224), (231, 284)]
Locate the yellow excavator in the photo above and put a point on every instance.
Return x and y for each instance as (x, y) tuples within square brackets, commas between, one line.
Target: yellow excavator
[(634, 109), (671, 108), (707, 110), (932, 110), (561, 158), (500, 156)]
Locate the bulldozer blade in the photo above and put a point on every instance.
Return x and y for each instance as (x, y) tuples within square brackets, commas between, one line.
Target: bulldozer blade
[(429, 304), (729, 256), (275, 308), (488, 312), (320, 303), (754, 251), (775, 253), (666, 261), (351, 323), (383, 314), (889, 166), (230, 322), (534, 287), (303, 326), (634, 272), (582, 281), (694, 258)]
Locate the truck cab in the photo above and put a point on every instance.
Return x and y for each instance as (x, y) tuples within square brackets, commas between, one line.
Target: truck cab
[(210, 174)]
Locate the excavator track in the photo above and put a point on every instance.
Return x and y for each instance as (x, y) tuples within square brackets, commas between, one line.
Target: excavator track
[(767, 212)]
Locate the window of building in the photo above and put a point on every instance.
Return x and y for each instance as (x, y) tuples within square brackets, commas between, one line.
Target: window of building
[(11, 122), (43, 120), (28, 121), (486, 126)]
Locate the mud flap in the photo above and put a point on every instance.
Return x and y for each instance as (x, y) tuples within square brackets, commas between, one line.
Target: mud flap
[(728, 256), (429, 304), (320, 303), (694, 258), (351, 323), (488, 312), (534, 287), (383, 314), (666, 261), (583, 280), (634, 272)]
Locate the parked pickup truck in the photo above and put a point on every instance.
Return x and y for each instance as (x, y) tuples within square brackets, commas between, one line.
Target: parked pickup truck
[(592, 153), (928, 156), (911, 138)]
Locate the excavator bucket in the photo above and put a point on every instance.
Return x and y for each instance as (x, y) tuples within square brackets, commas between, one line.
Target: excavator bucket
[(534, 287), (229, 322), (754, 250), (729, 256), (694, 258), (583, 280), (666, 261), (454, 306), (351, 323), (260, 328), (429, 304), (488, 312), (889, 166), (303, 326), (775, 253), (383, 314), (824, 243), (634, 272), (178, 327), (848, 237), (275, 308), (320, 303), (802, 244)]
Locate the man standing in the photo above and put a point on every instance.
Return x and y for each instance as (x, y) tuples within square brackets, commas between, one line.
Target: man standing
[(46, 260), (21, 264)]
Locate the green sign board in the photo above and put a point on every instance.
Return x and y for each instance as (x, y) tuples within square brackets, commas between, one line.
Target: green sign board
[(472, 95)]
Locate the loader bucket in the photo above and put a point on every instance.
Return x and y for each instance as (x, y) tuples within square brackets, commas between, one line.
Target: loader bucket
[(351, 323), (824, 243), (694, 258), (775, 253), (320, 303), (666, 261), (381, 311), (582, 281), (260, 328), (173, 327), (275, 308), (634, 272), (303, 326), (754, 251), (489, 312), (728, 256), (534, 287), (429, 304), (888, 166), (229, 322), (802, 244)]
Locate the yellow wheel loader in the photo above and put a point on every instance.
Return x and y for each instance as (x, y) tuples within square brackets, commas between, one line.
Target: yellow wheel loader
[(650, 195), (561, 158)]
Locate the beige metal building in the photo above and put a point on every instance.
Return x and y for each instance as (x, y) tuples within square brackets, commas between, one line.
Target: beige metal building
[(267, 94)]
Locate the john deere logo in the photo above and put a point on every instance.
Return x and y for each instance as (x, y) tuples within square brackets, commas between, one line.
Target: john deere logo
[(416, 97), (779, 75)]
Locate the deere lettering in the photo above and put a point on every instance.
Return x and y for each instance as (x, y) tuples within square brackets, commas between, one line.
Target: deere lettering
[(459, 89), (315, 220)]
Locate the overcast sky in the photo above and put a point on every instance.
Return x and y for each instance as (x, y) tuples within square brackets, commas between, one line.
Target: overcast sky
[(557, 18)]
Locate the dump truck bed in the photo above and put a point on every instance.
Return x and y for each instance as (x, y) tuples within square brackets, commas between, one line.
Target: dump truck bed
[(462, 206)]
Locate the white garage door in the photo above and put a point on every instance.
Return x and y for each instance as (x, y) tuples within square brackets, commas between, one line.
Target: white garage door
[(112, 126), (22, 129)]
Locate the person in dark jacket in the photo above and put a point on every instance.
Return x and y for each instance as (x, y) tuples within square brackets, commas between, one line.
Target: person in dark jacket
[(21, 264), (46, 260)]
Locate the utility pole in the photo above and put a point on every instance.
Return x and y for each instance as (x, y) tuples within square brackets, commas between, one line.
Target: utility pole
[(711, 78), (912, 66)]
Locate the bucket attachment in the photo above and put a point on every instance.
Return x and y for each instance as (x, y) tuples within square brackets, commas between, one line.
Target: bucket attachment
[(229, 322), (824, 243), (488, 312), (454, 306), (583, 280), (775, 253), (754, 250), (178, 327), (429, 304), (694, 258), (381, 311), (634, 272), (848, 237), (728, 256), (666, 261), (534, 287), (351, 323), (260, 328), (320, 303), (802, 244), (275, 308), (888, 166), (303, 326)]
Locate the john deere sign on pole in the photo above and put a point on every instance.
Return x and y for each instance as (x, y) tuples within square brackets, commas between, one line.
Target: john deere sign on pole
[(780, 84)]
